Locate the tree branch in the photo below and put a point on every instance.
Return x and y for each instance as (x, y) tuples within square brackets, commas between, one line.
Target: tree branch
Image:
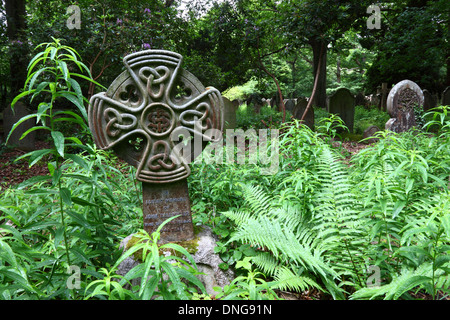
[(316, 80)]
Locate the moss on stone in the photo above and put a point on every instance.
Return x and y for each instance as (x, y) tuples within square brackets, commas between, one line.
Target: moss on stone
[(191, 246)]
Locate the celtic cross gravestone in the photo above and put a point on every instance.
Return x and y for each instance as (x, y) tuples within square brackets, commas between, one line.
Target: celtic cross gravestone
[(401, 101), (142, 116)]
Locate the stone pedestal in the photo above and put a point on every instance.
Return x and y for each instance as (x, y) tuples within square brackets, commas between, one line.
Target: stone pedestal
[(204, 256)]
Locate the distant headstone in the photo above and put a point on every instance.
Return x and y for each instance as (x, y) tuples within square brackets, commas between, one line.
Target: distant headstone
[(300, 108), (429, 100), (289, 104), (255, 101), (401, 101), (383, 96), (229, 113), (360, 100), (143, 115), (275, 101), (446, 97), (370, 132), (10, 117), (342, 103)]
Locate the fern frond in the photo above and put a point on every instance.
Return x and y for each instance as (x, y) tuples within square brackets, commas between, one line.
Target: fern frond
[(257, 199), (281, 242), (286, 279), (238, 217), (407, 280), (266, 262)]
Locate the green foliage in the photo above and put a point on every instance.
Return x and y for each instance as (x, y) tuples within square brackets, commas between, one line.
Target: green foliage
[(365, 118), (323, 224), (241, 92), (246, 117), (249, 287), (153, 269), (411, 46)]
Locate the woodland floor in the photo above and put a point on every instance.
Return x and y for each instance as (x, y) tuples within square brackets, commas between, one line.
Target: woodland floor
[(14, 172)]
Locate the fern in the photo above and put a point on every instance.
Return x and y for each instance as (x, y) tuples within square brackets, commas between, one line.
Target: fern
[(407, 280), (340, 227), (288, 280)]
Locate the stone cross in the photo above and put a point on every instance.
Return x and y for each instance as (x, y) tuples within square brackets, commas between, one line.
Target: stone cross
[(402, 99), (142, 117)]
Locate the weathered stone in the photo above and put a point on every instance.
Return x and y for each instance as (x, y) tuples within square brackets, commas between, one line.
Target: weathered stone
[(360, 100), (429, 100), (289, 105), (275, 101), (383, 96), (342, 103), (446, 97), (230, 108), (11, 117), (300, 108), (165, 200), (149, 107), (206, 259), (401, 101), (370, 132)]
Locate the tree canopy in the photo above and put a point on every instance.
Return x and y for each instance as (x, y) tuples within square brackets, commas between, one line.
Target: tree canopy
[(228, 43)]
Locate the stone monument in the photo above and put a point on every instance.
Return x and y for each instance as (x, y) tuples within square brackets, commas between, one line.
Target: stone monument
[(342, 103), (402, 99), (230, 108), (429, 101), (300, 108), (289, 105), (446, 97), (142, 116)]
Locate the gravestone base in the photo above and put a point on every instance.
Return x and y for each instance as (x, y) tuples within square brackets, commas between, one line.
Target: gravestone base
[(202, 250)]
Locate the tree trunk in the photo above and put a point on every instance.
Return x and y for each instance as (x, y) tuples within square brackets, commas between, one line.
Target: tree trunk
[(15, 17), (320, 98), (314, 90)]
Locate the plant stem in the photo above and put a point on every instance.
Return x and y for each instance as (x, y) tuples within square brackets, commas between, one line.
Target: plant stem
[(61, 205)]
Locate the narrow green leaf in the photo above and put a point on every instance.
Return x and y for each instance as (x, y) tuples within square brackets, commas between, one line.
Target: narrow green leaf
[(59, 233), (445, 221), (25, 118), (76, 101), (398, 207), (78, 218), (64, 69), (66, 196), (58, 138), (78, 160), (33, 129)]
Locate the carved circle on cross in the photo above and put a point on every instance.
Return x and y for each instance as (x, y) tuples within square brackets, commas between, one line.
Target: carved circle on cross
[(146, 106)]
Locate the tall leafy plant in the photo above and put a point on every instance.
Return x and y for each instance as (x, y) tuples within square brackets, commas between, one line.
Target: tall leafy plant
[(49, 79)]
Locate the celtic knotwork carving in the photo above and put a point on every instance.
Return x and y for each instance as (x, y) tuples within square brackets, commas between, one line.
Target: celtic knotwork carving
[(408, 99), (146, 103)]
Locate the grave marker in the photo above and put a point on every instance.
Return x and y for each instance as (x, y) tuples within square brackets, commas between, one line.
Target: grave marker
[(446, 97), (300, 108), (429, 101), (342, 103), (402, 99), (289, 104), (230, 108), (142, 117)]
